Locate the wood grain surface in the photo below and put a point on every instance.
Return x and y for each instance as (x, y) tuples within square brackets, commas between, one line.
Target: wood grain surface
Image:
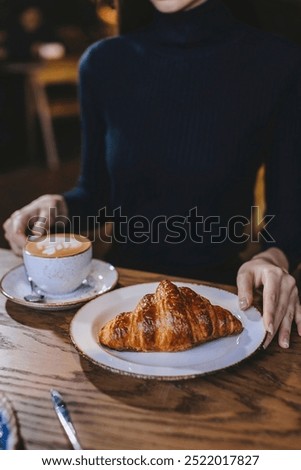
[(254, 405)]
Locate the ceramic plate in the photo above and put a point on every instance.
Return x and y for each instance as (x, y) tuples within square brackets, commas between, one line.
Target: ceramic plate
[(102, 278), (202, 359)]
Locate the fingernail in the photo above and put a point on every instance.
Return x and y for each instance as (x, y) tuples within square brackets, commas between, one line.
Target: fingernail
[(271, 328), (243, 303), (285, 343)]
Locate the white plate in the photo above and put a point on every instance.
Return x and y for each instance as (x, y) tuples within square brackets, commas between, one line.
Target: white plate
[(102, 278), (202, 359)]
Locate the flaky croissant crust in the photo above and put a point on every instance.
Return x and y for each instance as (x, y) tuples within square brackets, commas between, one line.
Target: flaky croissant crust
[(172, 319)]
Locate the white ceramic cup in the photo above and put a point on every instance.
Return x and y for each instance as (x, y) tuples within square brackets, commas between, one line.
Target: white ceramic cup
[(58, 263)]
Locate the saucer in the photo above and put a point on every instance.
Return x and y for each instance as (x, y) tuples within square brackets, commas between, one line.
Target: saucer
[(102, 278)]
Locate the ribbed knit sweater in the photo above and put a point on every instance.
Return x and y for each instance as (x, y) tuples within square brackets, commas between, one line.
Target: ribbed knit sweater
[(176, 120)]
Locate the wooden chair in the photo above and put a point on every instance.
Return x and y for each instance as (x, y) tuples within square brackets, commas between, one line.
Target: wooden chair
[(40, 104)]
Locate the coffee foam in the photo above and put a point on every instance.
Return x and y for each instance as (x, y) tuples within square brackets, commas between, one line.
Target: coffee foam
[(57, 246)]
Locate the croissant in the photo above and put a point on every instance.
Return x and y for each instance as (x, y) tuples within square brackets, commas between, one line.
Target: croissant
[(172, 319)]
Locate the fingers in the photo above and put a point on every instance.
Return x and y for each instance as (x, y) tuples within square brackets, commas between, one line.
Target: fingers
[(286, 324), (271, 290), (41, 222), (280, 300), (16, 248), (298, 318), (36, 216), (14, 231), (245, 281), (281, 303)]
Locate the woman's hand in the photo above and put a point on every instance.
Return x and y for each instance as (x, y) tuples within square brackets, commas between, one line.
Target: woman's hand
[(35, 216), (281, 303)]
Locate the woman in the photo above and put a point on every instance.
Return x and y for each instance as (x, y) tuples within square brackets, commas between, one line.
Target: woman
[(177, 116)]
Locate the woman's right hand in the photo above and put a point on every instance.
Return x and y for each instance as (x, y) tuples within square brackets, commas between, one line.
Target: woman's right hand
[(36, 214)]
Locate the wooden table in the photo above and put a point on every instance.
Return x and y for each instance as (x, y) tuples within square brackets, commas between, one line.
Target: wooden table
[(254, 405)]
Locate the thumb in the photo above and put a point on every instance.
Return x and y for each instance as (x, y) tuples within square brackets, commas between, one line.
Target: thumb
[(245, 282)]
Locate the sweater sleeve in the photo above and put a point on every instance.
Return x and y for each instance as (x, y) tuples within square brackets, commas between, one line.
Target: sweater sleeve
[(283, 175), (92, 190)]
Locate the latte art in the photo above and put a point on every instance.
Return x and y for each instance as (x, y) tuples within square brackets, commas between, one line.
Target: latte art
[(58, 263), (58, 246)]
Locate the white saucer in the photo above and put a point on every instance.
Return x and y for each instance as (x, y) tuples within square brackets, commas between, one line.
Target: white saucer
[(102, 278)]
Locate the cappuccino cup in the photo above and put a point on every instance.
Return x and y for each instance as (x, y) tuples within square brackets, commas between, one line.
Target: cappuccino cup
[(58, 263)]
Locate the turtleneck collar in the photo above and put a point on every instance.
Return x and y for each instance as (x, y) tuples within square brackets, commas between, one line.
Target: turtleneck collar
[(208, 22)]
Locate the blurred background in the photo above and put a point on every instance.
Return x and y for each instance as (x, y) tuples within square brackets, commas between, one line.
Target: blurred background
[(41, 42), (46, 37)]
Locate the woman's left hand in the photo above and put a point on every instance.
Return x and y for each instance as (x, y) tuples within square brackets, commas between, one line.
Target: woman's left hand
[(281, 303)]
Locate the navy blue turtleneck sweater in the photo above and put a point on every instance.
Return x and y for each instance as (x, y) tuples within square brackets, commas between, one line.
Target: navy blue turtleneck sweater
[(176, 120)]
